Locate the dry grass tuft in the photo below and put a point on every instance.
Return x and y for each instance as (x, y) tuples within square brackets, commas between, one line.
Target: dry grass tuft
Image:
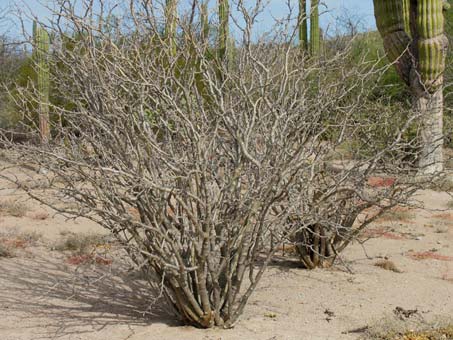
[(79, 243), (414, 329), (444, 184), (13, 208), (387, 265), (35, 184), (31, 237), (81, 259), (18, 241), (401, 214), (5, 251), (383, 233)]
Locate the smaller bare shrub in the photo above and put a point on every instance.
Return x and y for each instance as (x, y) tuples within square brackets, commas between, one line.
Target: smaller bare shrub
[(13, 208)]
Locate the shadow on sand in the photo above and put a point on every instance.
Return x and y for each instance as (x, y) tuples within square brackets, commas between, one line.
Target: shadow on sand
[(56, 300)]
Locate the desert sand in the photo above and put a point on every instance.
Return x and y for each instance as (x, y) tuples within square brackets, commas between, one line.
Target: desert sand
[(45, 294)]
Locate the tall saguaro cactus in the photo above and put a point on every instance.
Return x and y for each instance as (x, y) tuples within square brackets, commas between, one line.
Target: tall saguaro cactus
[(204, 18), (171, 16), (419, 57), (315, 42), (41, 44), (224, 16), (302, 22)]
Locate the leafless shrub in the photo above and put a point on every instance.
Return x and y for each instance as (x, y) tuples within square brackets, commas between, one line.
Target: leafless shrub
[(202, 169)]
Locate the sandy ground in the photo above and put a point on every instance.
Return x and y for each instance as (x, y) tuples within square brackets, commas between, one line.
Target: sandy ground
[(42, 296)]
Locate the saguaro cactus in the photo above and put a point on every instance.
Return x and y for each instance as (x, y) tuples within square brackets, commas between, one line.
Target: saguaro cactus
[(315, 42), (224, 15), (41, 43), (171, 17), (204, 19), (302, 21), (419, 57)]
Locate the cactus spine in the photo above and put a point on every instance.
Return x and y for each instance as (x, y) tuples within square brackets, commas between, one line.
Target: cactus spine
[(41, 44), (302, 22), (315, 42), (420, 62), (171, 17)]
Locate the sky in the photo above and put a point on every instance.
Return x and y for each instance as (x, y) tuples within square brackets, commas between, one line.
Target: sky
[(360, 11)]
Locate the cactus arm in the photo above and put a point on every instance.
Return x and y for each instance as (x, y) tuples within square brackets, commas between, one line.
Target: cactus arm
[(406, 16), (391, 25), (170, 24), (431, 42), (314, 28), (302, 22), (41, 44)]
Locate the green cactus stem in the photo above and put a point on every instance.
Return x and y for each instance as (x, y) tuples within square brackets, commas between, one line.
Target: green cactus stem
[(204, 19), (302, 22), (406, 16), (224, 15), (171, 17), (315, 42), (41, 45), (431, 42)]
